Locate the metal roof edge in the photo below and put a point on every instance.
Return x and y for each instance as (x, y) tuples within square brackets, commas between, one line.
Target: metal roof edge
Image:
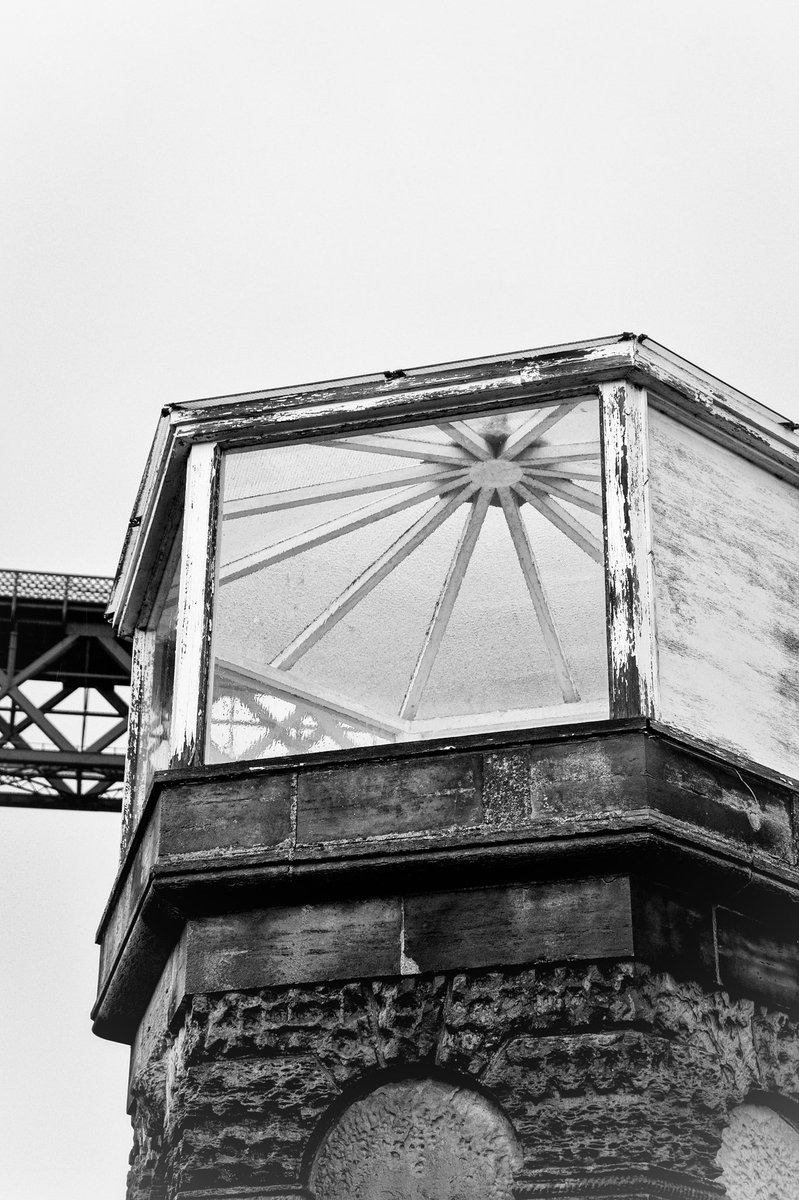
[(679, 384), (380, 377)]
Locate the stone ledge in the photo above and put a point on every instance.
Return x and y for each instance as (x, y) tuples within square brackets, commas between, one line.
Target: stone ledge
[(609, 801), (605, 917)]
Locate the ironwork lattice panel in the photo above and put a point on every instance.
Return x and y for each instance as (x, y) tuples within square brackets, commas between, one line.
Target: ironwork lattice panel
[(64, 693)]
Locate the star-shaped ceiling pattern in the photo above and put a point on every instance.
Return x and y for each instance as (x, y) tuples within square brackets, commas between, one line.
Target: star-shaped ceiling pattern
[(473, 463)]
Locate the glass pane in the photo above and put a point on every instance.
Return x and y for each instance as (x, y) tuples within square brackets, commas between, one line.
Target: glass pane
[(391, 586)]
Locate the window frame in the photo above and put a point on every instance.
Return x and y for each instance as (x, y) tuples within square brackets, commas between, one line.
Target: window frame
[(632, 683)]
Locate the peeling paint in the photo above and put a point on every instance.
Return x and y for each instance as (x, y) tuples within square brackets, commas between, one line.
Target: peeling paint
[(192, 648), (545, 374), (628, 539)]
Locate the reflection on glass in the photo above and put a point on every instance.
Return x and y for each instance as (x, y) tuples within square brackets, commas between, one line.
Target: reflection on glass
[(446, 578)]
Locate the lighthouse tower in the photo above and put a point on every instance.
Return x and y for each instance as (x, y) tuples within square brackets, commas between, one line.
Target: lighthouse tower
[(460, 843)]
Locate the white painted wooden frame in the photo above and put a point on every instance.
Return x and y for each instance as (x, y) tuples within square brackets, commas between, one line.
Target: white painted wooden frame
[(141, 675), (195, 602), (134, 793), (632, 647), (441, 392)]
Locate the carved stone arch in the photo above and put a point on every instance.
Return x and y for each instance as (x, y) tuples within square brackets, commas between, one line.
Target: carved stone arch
[(759, 1154), (417, 1137)]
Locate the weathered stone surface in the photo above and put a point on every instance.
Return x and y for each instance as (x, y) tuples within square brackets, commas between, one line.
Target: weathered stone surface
[(516, 924), (335, 1023), (759, 1155), (602, 1069), (338, 939), (417, 1139), (376, 799), (408, 1016), (148, 1157)]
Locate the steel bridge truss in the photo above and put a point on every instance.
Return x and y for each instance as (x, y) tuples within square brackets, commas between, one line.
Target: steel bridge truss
[(64, 694)]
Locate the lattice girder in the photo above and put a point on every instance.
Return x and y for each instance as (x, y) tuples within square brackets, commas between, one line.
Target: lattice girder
[(64, 694)]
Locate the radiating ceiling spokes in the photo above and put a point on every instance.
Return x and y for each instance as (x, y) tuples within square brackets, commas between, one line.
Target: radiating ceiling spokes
[(445, 603), (374, 574), (468, 468)]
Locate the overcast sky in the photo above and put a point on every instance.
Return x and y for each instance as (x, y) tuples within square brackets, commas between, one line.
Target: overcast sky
[(206, 197)]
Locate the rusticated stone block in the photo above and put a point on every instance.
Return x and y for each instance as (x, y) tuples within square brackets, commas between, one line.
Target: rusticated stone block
[(336, 1024), (408, 1017), (606, 1072)]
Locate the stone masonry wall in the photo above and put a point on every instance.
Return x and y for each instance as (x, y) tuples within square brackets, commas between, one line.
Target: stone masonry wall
[(604, 1072)]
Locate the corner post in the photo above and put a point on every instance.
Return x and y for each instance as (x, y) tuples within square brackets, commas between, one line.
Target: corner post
[(628, 541), (195, 601), (141, 674)]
